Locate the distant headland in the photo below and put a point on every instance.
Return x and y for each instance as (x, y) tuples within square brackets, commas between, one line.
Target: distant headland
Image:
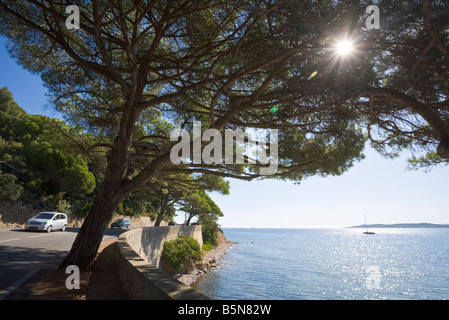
[(403, 225)]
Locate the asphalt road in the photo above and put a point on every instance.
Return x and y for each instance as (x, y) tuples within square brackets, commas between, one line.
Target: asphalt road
[(27, 256)]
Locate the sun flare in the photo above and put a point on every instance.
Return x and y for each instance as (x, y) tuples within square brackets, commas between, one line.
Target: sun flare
[(344, 47)]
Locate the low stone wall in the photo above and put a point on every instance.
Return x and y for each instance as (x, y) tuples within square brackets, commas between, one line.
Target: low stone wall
[(148, 242), (140, 251)]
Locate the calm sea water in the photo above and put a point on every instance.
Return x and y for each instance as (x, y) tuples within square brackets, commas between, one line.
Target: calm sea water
[(332, 264)]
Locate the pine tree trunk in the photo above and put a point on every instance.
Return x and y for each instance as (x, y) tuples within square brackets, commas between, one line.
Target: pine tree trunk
[(90, 236), (191, 215), (111, 193), (160, 216), (115, 188), (158, 221), (443, 150)]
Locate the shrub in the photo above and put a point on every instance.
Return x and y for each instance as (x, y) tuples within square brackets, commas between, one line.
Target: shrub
[(207, 246), (179, 251), (10, 191), (64, 206)]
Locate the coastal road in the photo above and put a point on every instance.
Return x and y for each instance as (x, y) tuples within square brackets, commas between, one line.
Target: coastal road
[(27, 256)]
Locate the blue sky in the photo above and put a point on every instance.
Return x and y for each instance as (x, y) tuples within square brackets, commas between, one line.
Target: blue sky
[(28, 89), (380, 188)]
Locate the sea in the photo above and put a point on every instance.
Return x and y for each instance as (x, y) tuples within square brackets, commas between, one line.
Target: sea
[(332, 264)]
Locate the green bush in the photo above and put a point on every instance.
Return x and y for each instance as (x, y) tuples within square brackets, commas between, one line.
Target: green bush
[(207, 246), (177, 252), (10, 191), (64, 206)]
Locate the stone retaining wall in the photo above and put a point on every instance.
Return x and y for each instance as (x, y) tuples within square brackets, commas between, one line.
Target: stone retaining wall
[(140, 251), (148, 242)]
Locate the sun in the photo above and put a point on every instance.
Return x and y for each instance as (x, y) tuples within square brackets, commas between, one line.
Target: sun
[(344, 47)]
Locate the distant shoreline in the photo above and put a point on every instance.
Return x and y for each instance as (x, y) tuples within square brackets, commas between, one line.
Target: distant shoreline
[(403, 225)]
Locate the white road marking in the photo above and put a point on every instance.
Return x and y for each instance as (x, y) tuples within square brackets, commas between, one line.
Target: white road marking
[(10, 240), (16, 284), (42, 235)]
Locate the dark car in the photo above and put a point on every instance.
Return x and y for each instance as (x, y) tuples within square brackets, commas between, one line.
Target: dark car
[(121, 223)]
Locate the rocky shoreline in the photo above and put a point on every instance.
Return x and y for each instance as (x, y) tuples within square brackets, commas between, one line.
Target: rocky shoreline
[(210, 260)]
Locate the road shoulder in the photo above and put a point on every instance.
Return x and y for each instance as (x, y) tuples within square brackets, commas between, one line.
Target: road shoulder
[(101, 283)]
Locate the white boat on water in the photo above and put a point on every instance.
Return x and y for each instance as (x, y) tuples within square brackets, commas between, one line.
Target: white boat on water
[(366, 226)]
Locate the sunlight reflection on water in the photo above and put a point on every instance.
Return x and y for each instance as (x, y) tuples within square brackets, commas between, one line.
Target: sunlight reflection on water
[(332, 264)]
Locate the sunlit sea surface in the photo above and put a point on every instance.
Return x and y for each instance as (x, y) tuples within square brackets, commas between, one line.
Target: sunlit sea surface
[(332, 264)]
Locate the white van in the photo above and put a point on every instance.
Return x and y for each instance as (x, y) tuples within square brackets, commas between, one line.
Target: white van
[(47, 221)]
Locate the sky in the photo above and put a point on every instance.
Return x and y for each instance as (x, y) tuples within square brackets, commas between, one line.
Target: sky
[(382, 189)]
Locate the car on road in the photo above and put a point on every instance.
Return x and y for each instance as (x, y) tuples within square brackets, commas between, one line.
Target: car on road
[(121, 223), (47, 221)]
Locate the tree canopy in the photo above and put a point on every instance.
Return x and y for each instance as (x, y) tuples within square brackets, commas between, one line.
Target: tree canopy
[(31, 152), (198, 204), (408, 108), (159, 66), (137, 70)]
